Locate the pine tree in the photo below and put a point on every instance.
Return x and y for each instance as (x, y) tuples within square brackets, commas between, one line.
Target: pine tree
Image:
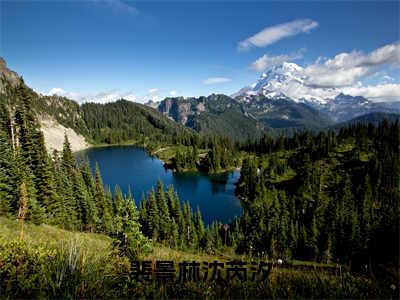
[(7, 177), (312, 244), (42, 169), (164, 219), (84, 206), (68, 160), (66, 208), (174, 238), (153, 216), (366, 213), (117, 198), (103, 204), (36, 212), (88, 178), (200, 228), (171, 202), (143, 220), (136, 242), (27, 125)]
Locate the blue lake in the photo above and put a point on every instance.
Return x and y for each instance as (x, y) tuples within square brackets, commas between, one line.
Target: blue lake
[(129, 166)]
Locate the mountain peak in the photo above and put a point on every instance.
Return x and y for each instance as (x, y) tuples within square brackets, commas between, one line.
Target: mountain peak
[(344, 98), (273, 83), (9, 75), (290, 66)]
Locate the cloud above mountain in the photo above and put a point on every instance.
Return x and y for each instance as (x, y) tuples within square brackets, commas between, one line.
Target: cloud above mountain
[(346, 72), (345, 69), (266, 61), (216, 80), (100, 97), (153, 95), (273, 34), (380, 92)]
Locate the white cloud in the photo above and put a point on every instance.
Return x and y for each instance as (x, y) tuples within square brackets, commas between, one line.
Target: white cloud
[(345, 69), (387, 79), (100, 97), (267, 61), (380, 92), (120, 6), (153, 95), (57, 91), (272, 34), (216, 80), (173, 93), (350, 73), (153, 91)]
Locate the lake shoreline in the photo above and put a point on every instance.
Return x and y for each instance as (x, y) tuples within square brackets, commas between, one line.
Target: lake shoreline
[(155, 154), (133, 168)]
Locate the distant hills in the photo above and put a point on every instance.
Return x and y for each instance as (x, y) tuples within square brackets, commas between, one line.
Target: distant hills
[(280, 100), (215, 114), (240, 118), (261, 107), (371, 118), (89, 123), (345, 107), (287, 81)]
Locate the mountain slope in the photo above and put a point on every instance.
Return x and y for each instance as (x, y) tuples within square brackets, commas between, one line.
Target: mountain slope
[(283, 113), (374, 118), (287, 81), (124, 120), (215, 114), (116, 122), (243, 116), (345, 107)]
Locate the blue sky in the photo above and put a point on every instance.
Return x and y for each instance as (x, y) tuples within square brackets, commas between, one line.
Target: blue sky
[(152, 49)]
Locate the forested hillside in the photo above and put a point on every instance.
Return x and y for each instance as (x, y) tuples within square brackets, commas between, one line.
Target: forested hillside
[(215, 114), (52, 188), (124, 121), (111, 123), (327, 197), (47, 188), (238, 119), (282, 114), (327, 201), (321, 198)]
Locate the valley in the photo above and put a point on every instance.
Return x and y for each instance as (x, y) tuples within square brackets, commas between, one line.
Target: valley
[(131, 168), (256, 178), (199, 149)]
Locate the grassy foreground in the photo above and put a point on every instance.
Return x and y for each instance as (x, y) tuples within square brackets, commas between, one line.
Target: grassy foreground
[(53, 263)]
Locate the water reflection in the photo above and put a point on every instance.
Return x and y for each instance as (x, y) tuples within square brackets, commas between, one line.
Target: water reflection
[(131, 166)]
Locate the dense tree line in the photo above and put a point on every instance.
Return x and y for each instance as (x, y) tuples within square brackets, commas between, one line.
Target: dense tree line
[(61, 192), (325, 197), (221, 155), (123, 121), (331, 196), (165, 219), (128, 122), (54, 188)]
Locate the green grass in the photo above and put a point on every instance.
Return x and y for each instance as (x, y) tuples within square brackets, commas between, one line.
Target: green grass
[(167, 153), (288, 175), (54, 263), (53, 237)]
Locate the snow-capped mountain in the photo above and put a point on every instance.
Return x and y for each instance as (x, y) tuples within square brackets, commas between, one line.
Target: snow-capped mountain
[(288, 81)]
